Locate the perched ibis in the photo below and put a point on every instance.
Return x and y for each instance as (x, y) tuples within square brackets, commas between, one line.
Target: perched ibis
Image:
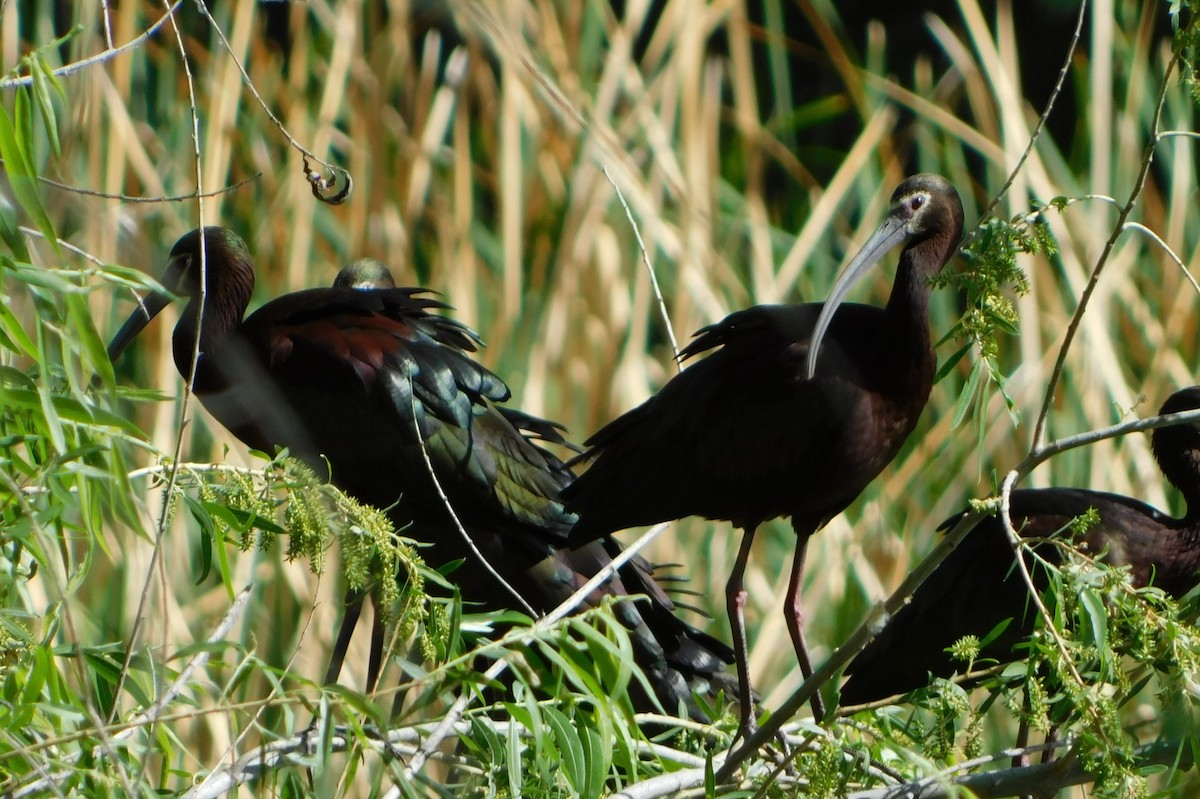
[(793, 412), (380, 390), (676, 657), (977, 587)]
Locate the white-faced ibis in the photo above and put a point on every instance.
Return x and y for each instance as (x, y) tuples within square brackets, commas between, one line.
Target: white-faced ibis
[(752, 432), (977, 587), (290, 373), (375, 388)]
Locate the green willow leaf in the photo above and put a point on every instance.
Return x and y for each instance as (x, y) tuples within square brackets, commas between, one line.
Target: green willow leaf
[(208, 532), (570, 749), (1097, 618), (9, 233), (85, 333), (22, 177), (597, 758), (70, 410), (13, 336), (41, 85), (965, 399), (515, 772)]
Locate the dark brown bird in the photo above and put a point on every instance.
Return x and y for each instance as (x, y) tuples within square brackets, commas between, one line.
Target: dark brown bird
[(677, 658), (371, 273), (380, 390), (977, 588), (793, 412)]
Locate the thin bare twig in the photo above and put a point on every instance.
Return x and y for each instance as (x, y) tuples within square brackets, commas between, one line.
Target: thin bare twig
[(98, 58), (320, 185), (128, 198), (662, 305), (1037, 131), (1138, 227), (479, 556), (1014, 542), (1039, 431), (155, 566)]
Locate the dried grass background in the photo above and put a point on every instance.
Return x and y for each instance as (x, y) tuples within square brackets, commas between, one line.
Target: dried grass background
[(479, 170)]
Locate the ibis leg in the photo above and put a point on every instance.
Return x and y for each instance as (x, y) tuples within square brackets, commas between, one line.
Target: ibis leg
[(354, 603), (735, 604), (794, 613), (375, 661), (1022, 760)]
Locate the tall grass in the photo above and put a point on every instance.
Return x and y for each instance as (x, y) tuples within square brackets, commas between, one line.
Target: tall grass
[(487, 167)]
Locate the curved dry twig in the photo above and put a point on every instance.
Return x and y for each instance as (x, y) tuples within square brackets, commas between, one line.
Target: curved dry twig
[(658, 297), (129, 198), (320, 184)]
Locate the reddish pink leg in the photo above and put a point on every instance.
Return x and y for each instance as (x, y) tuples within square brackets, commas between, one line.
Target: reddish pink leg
[(794, 613), (735, 602)]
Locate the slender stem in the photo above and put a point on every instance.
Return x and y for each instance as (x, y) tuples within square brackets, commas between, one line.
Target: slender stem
[(1037, 131), (98, 58), (155, 566), (202, 7), (1039, 431), (479, 556), (658, 297)]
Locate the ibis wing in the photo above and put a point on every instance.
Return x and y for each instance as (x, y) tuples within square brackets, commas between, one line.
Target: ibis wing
[(738, 428), (424, 405), (977, 588)]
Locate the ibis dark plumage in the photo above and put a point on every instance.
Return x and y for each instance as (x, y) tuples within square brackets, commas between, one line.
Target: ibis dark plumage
[(380, 390), (365, 273), (795, 409), (976, 588)]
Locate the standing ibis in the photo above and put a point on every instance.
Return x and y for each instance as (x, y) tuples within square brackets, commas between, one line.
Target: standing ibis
[(977, 587), (793, 412), (380, 391)]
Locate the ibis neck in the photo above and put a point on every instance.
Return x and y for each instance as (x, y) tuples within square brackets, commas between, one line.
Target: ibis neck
[(1182, 470), (909, 348), (219, 322)]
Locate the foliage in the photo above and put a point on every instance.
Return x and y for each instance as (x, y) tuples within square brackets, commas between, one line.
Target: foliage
[(476, 139)]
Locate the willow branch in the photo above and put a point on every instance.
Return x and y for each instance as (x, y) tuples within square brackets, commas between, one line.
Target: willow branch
[(1039, 431), (455, 713), (98, 58)]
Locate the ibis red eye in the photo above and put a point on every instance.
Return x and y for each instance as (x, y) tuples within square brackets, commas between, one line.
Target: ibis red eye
[(916, 202)]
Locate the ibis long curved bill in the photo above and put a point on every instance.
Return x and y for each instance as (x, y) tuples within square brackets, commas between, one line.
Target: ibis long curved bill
[(893, 231), (151, 305), (146, 310)]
